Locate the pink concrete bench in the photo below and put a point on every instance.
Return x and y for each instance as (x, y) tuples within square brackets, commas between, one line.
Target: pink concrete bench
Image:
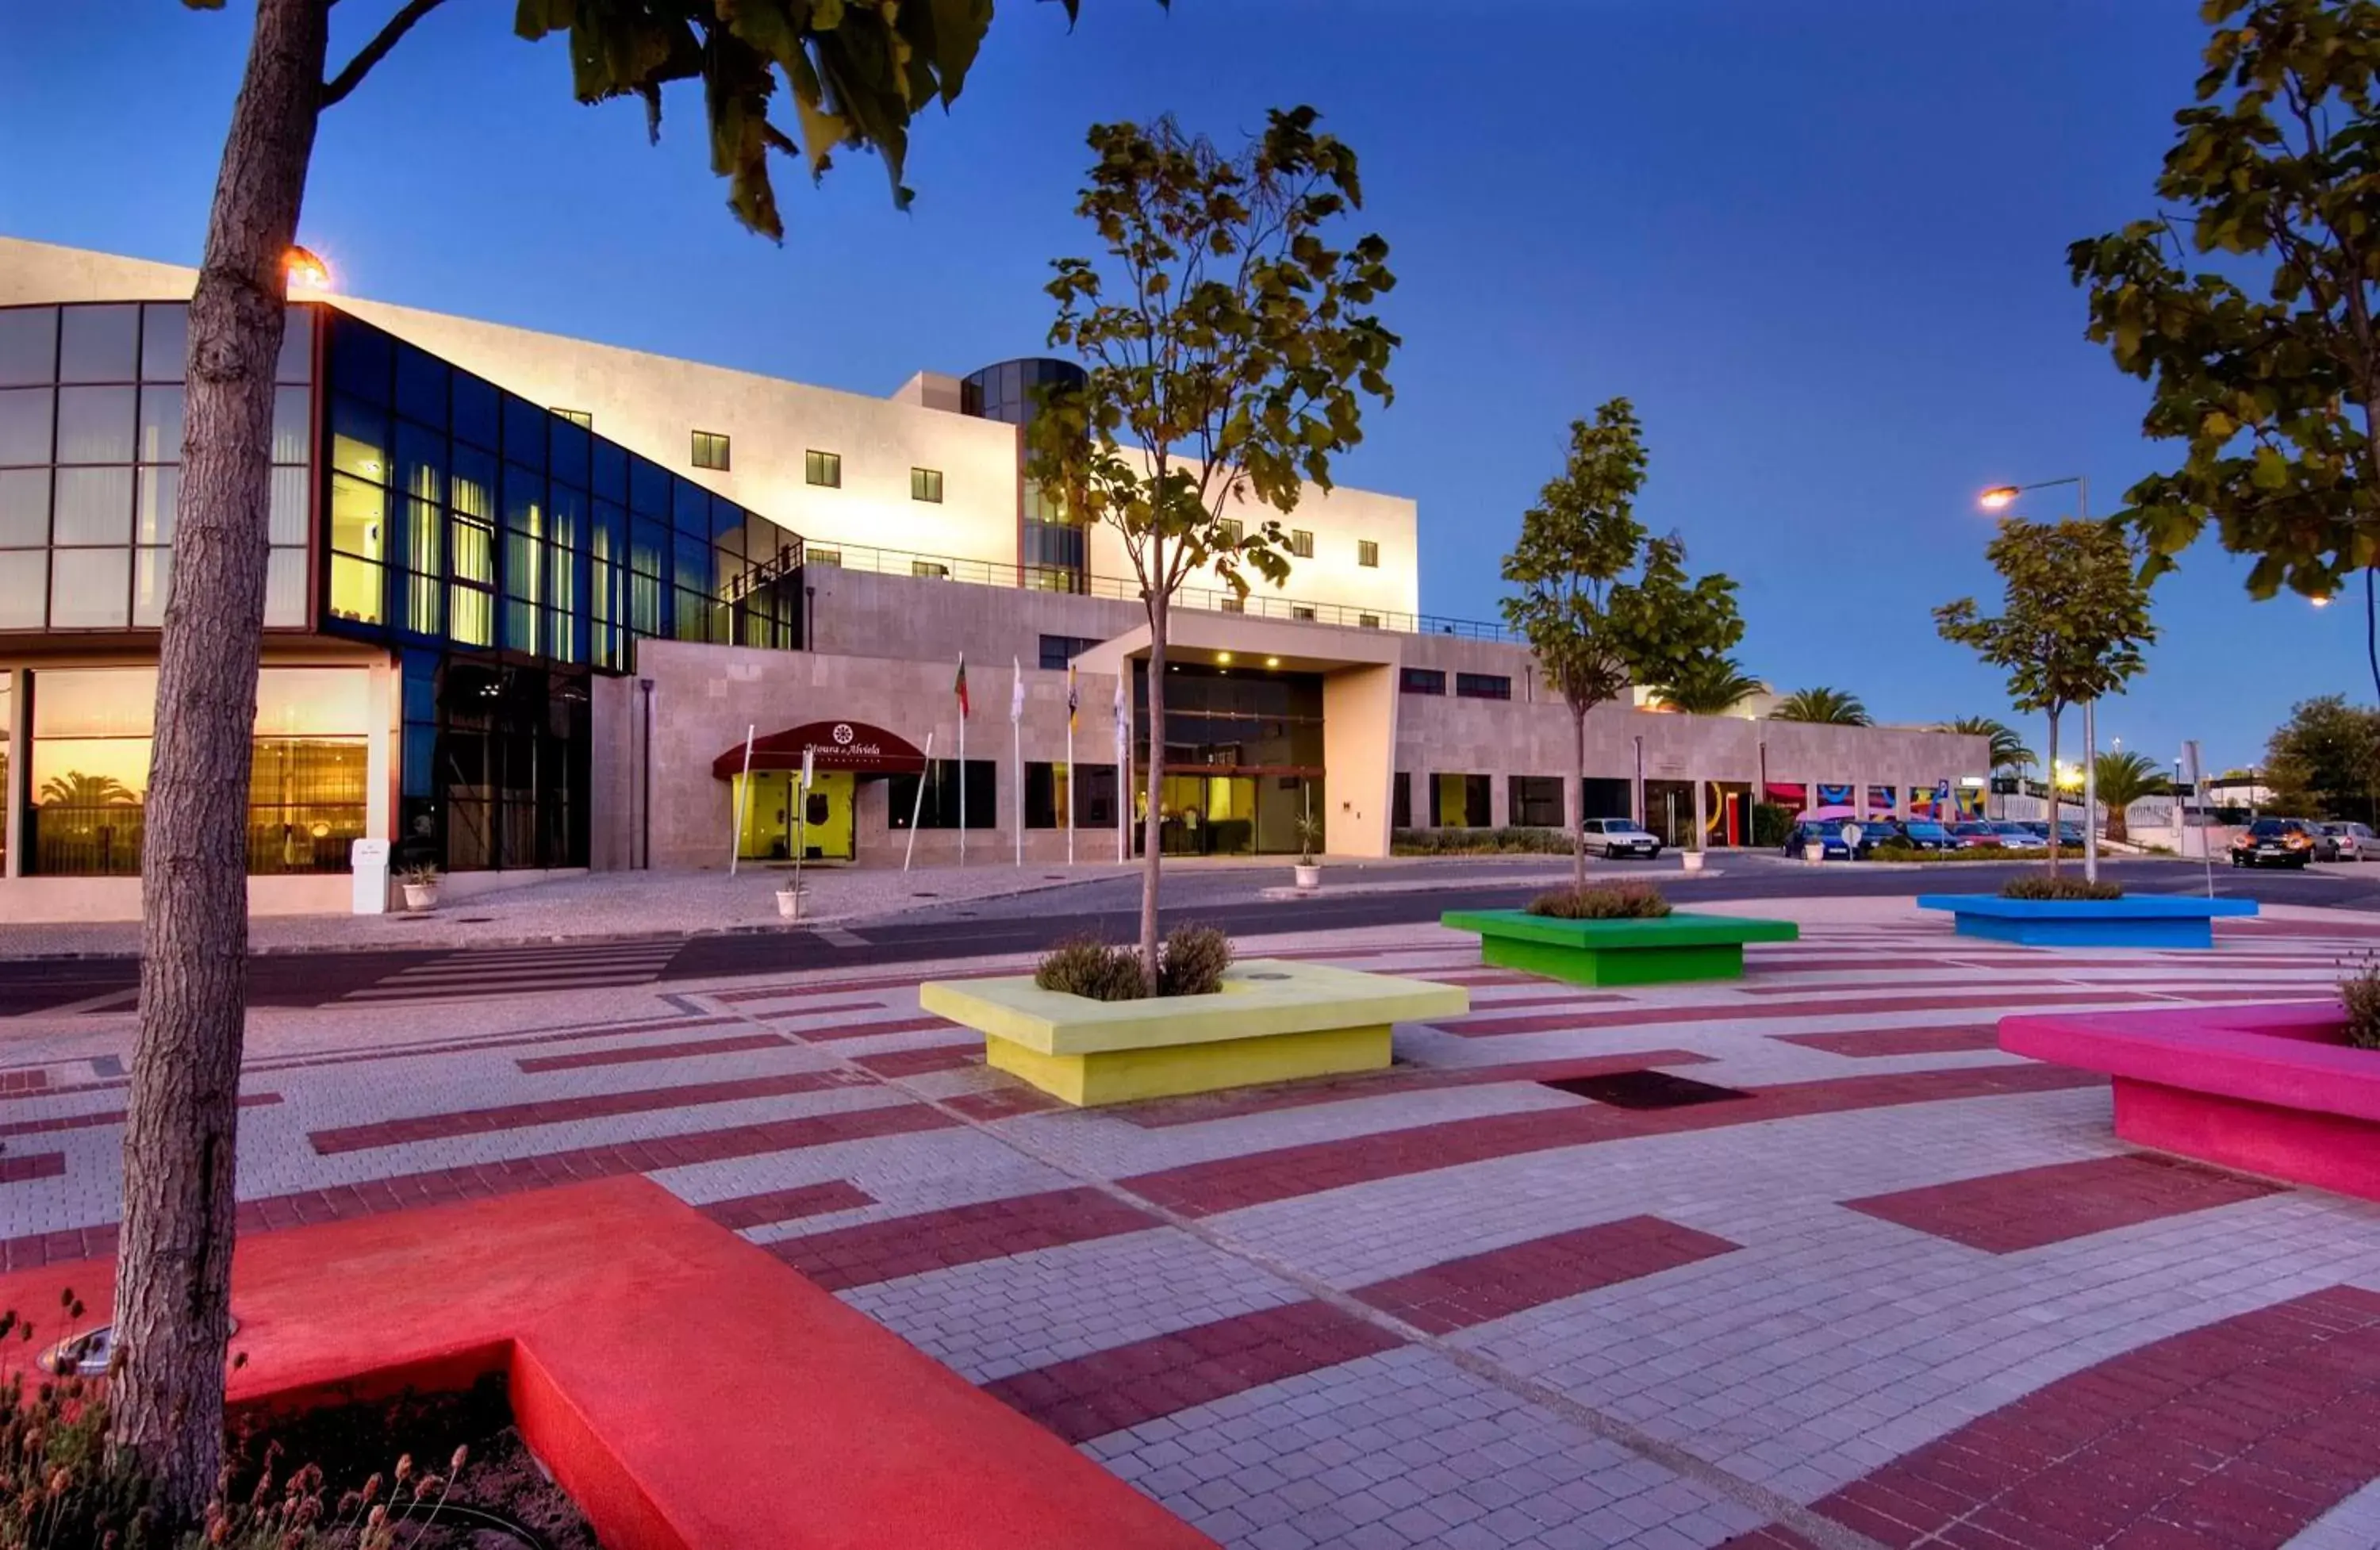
[(2272, 1090), (687, 1389)]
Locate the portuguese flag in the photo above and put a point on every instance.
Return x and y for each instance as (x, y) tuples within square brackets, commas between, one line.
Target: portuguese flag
[(959, 688)]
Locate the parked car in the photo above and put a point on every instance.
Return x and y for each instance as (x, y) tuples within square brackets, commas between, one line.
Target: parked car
[(2070, 834), (1828, 832), (1924, 834), (2355, 841), (2017, 836), (1972, 833), (1611, 838), (2275, 842)]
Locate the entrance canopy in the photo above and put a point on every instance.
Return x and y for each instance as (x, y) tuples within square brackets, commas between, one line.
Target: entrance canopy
[(853, 746)]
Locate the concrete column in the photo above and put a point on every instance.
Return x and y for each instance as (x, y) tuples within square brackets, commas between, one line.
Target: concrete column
[(19, 731)]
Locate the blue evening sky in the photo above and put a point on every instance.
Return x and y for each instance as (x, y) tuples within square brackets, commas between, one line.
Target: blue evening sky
[(1820, 246)]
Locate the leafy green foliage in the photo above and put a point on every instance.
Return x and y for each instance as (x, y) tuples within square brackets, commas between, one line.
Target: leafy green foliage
[(1228, 346), (1479, 842), (2050, 885), (1194, 961), (1711, 686), (1968, 853), (1093, 969), (1602, 901), (1771, 822), (1829, 707), (2325, 761), (2124, 778), (2008, 748), (2272, 379), (857, 71), (2360, 993)]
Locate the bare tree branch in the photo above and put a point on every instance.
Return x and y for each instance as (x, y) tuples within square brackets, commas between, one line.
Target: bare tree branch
[(336, 89)]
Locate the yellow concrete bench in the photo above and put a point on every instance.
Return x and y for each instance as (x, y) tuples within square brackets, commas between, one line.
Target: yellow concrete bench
[(1274, 1021)]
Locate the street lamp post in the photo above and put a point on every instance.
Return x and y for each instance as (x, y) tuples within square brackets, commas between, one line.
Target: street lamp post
[(1996, 499)]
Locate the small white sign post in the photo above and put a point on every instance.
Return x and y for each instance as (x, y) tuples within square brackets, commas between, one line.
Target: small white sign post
[(1853, 835), (802, 819)]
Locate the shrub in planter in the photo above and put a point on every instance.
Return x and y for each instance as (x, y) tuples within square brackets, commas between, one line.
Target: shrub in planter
[(2361, 992), (1191, 962), (2041, 885), (1770, 824), (1602, 901)]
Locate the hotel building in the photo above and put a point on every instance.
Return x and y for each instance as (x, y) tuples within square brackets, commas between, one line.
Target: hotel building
[(531, 598)]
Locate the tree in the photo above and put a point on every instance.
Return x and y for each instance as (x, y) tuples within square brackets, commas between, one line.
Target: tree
[(1227, 348), (1595, 630), (2074, 618), (858, 71), (75, 788), (2325, 761), (2122, 779), (1829, 707), (2275, 393), (2007, 749), (1711, 686)]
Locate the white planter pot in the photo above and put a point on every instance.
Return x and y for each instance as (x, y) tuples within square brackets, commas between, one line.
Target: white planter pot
[(789, 904), (1814, 853), (421, 896), (1309, 877), (1693, 859)]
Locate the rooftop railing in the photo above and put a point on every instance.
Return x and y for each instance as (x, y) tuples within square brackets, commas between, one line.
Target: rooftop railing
[(1260, 603)]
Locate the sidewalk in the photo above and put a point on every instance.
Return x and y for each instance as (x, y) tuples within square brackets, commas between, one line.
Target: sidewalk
[(601, 904)]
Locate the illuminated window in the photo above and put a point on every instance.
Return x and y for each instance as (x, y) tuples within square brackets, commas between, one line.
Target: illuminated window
[(1232, 531), (1368, 621), (1302, 611), (931, 570), (925, 484), (1301, 544), (1367, 553), (586, 422), (710, 449), (824, 468)]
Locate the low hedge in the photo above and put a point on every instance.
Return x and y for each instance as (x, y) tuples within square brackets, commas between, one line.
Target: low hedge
[(1980, 852), (2041, 885), (1602, 901), (1479, 842)]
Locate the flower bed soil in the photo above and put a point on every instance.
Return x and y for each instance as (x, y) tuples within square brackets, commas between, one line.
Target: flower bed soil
[(350, 1443)]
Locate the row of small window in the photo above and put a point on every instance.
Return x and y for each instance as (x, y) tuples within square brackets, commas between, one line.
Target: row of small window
[(1301, 546), (1467, 685), (124, 341), (1530, 801), (1050, 798), (712, 450), (95, 425)]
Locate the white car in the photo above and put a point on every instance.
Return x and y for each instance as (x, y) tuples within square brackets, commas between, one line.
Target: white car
[(1620, 837), (2355, 841)]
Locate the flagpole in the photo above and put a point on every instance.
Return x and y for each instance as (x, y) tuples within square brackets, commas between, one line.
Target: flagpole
[(963, 780), (1124, 769), (742, 801), (1016, 754), (917, 804), (1070, 764)]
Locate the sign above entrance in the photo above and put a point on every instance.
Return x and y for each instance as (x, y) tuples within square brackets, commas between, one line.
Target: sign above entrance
[(853, 746)]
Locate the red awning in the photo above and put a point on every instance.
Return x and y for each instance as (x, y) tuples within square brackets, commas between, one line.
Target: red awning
[(853, 746)]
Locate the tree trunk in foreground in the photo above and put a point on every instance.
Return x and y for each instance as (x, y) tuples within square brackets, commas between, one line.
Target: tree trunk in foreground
[(174, 1263), (1578, 790), (1153, 820), (2053, 794)]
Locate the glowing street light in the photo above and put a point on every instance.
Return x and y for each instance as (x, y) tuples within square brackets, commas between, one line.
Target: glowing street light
[(1997, 497), (306, 270)]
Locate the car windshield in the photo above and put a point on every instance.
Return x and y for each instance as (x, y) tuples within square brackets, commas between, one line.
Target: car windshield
[(2010, 826), (1830, 827), (1928, 831), (2273, 828)]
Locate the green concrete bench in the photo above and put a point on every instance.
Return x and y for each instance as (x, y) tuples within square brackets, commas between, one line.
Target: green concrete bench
[(1659, 952), (1274, 1021)]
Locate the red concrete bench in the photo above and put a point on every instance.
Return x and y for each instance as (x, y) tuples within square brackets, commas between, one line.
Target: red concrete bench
[(2267, 1089), (688, 1390)]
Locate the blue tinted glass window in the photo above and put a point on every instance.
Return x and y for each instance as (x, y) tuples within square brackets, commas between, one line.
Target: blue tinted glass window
[(611, 471), (296, 362), (95, 425), (567, 515), (361, 360), (99, 344), (422, 386), (28, 346), (25, 421), (164, 342), (569, 450), (727, 523), (650, 552), (161, 423), (524, 433), (474, 411), (523, 500), (609, 538), (472, 485), (420, 461), (693, 563), (648, 488), (690, 509)]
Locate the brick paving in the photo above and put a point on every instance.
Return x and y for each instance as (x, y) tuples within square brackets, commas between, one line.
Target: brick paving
[(1907, 1290)]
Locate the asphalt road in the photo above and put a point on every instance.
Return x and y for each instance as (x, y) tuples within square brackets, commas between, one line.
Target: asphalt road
[(1230, 899)]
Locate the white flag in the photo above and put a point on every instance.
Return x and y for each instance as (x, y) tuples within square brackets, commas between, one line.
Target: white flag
[(1016, 699), (1123, 720)]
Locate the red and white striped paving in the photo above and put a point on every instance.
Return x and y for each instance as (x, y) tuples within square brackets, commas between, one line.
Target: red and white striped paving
[(1906, 1290)]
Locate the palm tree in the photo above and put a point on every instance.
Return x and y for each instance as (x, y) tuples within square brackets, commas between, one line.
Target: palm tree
[(1831, 707), (2124, 778), (2007, 749), (1708, 686), (75, 788)]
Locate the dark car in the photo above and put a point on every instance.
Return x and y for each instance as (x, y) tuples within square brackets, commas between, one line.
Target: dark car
[(1828, 832), (1924, 834), (2275, 842), (2069, 833)]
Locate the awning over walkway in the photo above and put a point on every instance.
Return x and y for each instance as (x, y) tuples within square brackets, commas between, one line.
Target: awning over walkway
[(853, 746)]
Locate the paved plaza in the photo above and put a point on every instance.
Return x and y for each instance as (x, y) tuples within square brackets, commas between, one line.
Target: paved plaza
[(1857, 1277)]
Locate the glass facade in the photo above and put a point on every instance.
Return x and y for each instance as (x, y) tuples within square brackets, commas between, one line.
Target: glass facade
[(90, 451), (1053, 556), (89, 775), (1243, 756)]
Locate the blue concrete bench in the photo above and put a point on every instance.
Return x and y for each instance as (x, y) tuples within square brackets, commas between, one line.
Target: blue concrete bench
[(2148, 920)]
